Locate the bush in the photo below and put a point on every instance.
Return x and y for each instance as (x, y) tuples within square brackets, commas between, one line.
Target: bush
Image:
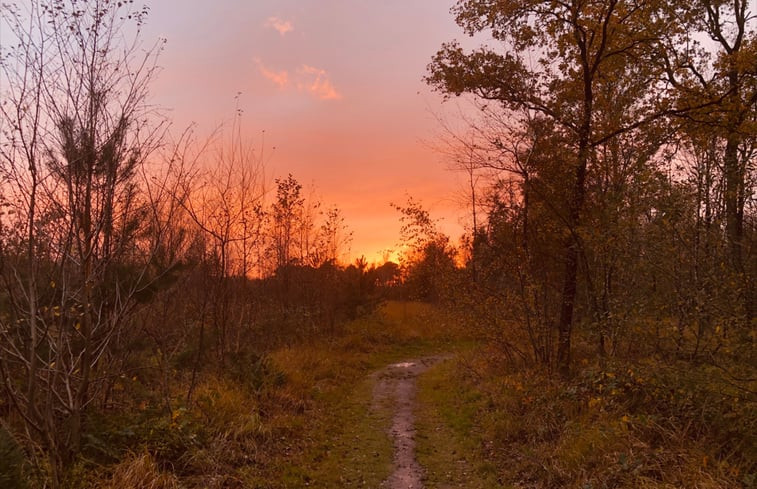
[(11, 461), (253, 371)]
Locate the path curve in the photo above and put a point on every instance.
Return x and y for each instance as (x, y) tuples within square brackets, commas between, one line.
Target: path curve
[(396, 386)]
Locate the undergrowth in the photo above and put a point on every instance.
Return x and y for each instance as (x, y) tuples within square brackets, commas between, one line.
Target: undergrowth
[(626, 424), (301, 416), (294, 417)]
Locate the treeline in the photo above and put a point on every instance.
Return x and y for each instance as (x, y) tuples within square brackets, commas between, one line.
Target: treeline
[(125, 253)]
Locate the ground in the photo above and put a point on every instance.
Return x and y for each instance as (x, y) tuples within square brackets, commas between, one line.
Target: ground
[(407, 398), (378, 421)]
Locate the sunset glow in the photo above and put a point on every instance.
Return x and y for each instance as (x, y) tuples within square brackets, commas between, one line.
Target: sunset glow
[(336, 86), (273, 243)]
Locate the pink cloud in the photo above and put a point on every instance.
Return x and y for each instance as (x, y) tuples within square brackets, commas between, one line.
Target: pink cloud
[(282, 26), (316, 81), (307, 79), (279, 78)]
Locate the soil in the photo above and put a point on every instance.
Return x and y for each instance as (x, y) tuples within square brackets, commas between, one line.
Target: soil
[(395, 386)]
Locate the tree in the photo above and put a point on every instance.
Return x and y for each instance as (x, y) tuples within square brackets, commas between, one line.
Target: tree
[(333, 240), (225, 201), (579, 47), (721, 77), (286, 215), (77, 132), (429, 259)]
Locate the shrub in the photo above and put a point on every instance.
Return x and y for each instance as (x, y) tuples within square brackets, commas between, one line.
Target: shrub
[(11, 461)]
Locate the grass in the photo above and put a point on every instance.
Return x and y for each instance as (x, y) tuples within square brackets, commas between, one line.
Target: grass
[(481, 422), (307, 419), (445, 421), (346, 444), (300, 416), (140, 471), (344, 439), (620, 426)]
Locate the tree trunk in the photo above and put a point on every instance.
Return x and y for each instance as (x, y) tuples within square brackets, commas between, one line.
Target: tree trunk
[(572, 244)]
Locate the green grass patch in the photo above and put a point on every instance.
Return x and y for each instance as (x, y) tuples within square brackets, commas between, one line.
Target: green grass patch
[(347, 443), (449, 442)]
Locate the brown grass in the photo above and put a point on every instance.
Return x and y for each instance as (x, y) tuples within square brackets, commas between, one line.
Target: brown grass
[(139, 471)]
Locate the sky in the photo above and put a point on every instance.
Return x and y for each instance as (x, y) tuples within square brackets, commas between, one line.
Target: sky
[(337, 87)]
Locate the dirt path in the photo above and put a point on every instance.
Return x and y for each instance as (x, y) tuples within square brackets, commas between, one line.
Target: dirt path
[(395, 386)]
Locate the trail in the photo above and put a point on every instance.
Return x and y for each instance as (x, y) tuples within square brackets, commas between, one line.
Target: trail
[(396, 386)]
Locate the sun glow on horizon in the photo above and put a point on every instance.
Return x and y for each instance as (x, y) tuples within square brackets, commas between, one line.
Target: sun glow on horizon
[(343, 102)]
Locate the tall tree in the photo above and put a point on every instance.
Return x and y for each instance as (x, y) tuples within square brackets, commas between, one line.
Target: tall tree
[(557, 56), (287, 214)]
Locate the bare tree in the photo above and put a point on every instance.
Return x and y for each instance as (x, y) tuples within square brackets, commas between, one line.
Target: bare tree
[(77, 131), (225, 201)]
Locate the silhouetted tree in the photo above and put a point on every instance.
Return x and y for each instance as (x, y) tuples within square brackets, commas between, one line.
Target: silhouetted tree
[(76, 133)]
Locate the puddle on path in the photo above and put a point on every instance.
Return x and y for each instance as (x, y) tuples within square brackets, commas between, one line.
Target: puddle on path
[(402, 365)]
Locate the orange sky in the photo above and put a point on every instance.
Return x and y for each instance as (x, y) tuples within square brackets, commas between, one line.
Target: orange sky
[(335, 84)]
